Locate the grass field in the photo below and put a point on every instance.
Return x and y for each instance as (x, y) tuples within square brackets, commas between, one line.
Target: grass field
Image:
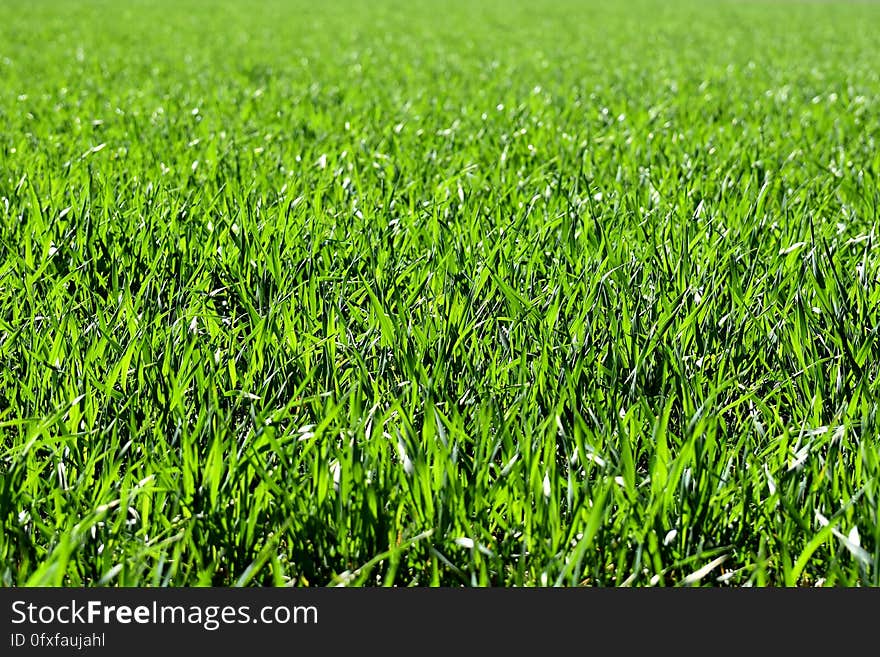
[(439, 293)]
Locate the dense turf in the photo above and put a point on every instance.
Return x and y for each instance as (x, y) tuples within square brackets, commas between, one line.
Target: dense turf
[(455, 293)]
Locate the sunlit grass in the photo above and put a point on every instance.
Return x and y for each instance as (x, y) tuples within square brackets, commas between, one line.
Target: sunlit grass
[(452, 294)]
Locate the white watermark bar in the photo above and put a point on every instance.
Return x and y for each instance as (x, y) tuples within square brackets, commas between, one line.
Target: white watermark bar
[(463, 621)]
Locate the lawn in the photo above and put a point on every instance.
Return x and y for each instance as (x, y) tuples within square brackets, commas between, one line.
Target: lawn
[(439, 293)]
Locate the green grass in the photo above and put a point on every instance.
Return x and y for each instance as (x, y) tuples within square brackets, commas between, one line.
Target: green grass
[(460, 293)]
